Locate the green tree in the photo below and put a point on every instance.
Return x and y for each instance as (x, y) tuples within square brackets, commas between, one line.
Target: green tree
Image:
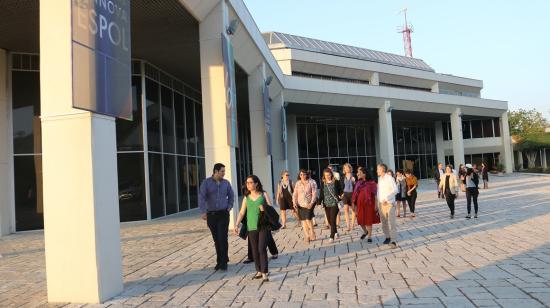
[(523, 122)]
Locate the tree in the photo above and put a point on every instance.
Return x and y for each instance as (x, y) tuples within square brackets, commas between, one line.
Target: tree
[(523, 122)]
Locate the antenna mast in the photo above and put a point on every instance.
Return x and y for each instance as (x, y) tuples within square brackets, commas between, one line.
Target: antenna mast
[(406, 30)]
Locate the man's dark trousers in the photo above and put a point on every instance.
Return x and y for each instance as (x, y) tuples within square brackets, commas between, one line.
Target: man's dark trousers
[(218, 223)]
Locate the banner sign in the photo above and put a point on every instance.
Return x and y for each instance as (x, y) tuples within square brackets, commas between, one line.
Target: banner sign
[(101, 57), (267, 117), (231, 91)]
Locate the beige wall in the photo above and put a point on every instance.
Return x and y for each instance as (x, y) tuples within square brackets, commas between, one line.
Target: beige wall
[(6, 208)]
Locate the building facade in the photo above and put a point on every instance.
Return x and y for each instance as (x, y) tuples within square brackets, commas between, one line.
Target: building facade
[(294, 102)]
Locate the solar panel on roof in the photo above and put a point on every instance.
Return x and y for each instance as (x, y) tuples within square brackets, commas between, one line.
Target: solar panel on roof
[(309, 44)]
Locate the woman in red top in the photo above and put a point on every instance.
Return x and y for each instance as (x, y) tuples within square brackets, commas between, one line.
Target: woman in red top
[(364, 202)]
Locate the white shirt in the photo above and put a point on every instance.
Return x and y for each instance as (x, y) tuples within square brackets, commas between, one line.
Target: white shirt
[(387, 189)]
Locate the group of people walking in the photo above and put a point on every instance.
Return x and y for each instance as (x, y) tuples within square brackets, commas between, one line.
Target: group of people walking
[(449, 183), (365, 199)]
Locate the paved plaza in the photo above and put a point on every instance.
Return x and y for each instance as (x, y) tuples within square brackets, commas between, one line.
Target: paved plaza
[(501, 259)]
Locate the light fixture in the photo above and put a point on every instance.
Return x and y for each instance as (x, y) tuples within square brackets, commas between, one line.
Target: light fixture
[(268, 80), (232, 28)]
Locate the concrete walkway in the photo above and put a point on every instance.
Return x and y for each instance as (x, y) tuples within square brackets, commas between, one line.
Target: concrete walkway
[(500, 259)]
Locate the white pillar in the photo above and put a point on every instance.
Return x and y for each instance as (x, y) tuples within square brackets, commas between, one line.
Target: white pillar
[(458, 141), (506, 143), (81, 214), (439, 142), (5, 155), (216, 146), (293, 154), (435, 87), (261, 161), (385, 134), (374, 79), (278, 155)]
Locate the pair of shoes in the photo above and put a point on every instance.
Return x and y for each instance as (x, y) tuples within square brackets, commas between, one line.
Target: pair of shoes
[(217, 267), (369, 240), (393, 245), (331, 240), (468, 216), (315, 225), (336, 235), (364, 235), (413, 215), (283, 227), (475, 216), (223, 267), (248, 261), (274, 257), (265, 279), (452, 216), (387, 241), (257, 276)]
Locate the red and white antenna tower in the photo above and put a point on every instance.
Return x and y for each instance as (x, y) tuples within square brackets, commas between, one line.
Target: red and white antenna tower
[(406, 30)]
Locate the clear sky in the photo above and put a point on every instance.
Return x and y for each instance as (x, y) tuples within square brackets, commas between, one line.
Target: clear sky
[(504, 43)]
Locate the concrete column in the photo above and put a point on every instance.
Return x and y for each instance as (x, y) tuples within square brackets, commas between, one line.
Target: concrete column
[(293, 154), (278, 155), (385, 134), (261, 161), (458, 141), (435, 87), (439, 142), (506, 143), (217, 149), (81, 215), (374, 79), (6, 209)]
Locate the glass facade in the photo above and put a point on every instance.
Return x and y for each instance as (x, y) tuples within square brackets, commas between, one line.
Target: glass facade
[(162, 147), (491, 159), (324, 141), (486, 128), (414, 148)]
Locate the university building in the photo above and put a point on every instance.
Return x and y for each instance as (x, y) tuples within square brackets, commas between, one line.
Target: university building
[(204, 86)]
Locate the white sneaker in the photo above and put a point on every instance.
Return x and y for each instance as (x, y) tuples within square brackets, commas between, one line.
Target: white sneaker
[(330, 240), (336, 235)]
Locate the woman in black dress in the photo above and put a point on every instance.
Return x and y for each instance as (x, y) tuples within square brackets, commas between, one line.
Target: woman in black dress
[(285, 189)]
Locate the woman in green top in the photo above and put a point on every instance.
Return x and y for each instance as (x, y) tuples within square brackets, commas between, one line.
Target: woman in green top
[(329, 198), (252, 206)]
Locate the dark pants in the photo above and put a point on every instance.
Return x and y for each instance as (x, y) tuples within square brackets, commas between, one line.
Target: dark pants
[(411, 200), (218, 223), (471, 193), (270, 245), (332, 213), (258, 241), (450, 198)]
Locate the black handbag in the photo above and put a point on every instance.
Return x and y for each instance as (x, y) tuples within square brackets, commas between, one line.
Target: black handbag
[(269, 218)]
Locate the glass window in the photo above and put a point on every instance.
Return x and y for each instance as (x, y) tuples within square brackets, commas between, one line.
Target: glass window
[(370, 140), (314, 168), (342, 142), (131, 189), (153, 115), (29, 207), (194, 182), (466, 134), (129, 133), (156, 190), (200, 133), (477, 131), (421, 141), (302, 140), (496, 122), (312, 140), (179, 114), (190, 126), (332, 141), (360, 141), (26, 112), (183, 180), (323, 140), (445, 131), (352, 141), (488, 128), (170, 182), (167, 120)]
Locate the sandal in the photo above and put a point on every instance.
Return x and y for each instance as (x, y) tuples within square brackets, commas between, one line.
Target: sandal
[(257, 276)]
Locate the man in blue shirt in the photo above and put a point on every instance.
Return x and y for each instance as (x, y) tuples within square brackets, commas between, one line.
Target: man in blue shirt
[(215, 202)]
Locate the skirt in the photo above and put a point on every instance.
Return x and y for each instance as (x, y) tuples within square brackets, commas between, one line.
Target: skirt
[(305, 213), (347, 198)]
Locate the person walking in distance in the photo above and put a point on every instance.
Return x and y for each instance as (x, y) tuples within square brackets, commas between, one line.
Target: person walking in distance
[(449, 186), (253, 206), (401, 197), (284, 196), (304, 199), (472, 191), (348, 185), (412, 185), (364, 202), (329, 197), (462, 177), (485, 175), (438, 174), (387, 189), (216, 199)]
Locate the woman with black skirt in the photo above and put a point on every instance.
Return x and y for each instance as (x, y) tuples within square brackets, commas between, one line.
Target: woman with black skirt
[(448, 184)]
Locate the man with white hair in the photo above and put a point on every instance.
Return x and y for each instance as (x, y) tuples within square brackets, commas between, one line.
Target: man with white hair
[(387, 189)]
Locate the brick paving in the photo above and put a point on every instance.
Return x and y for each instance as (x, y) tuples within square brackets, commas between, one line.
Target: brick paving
[(501, 259)]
